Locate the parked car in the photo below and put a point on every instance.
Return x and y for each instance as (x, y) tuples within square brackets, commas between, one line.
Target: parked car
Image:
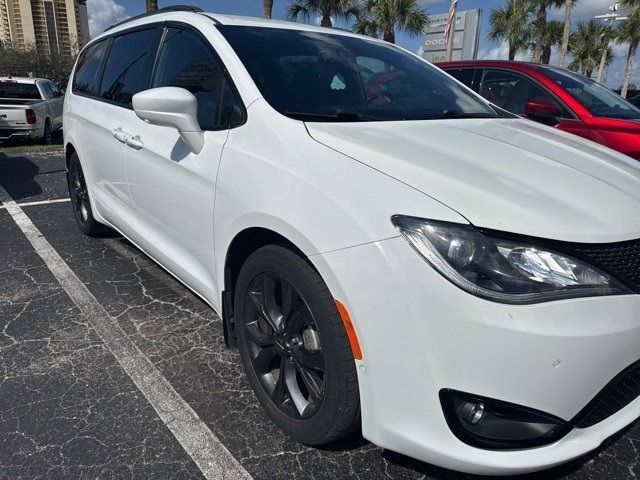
[(463, 283), (30, 108), (556, 97)]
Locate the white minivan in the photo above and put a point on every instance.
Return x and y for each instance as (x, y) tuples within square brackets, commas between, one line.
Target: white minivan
[(387, 250)]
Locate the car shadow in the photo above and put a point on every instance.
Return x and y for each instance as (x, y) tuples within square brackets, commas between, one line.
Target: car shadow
[(17, 176)]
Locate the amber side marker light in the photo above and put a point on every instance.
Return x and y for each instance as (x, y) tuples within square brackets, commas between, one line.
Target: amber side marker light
[(351, 332)]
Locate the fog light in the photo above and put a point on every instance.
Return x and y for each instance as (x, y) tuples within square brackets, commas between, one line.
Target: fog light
[(497, 425), (471, 412)]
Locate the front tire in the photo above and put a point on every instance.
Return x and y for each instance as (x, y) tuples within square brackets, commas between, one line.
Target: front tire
[(294, 347), (80, 203)]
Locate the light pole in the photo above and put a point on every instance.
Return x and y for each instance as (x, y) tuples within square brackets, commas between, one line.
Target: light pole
[(609, 18)]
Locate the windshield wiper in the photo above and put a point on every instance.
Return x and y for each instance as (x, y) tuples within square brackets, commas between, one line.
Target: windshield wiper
[(337, 116), (454, 114)]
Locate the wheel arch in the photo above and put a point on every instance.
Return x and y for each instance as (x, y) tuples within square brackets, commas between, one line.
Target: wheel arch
[(245, 243), (69, 150)]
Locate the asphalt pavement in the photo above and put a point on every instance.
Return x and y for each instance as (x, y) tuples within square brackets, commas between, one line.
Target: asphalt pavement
[(110, 368)]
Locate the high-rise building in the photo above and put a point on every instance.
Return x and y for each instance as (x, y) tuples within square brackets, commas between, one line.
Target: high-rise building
[(49, 26)]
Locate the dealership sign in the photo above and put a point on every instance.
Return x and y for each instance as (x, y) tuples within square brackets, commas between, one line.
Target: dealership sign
[(465, 40)]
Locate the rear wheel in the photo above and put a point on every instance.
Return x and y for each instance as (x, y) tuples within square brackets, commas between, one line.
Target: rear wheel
[(80, 200), (294, 347), (47, 136)]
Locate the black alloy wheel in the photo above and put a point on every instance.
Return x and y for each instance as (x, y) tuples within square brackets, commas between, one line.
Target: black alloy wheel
[(80, 203), (294, 347), (286, 353)]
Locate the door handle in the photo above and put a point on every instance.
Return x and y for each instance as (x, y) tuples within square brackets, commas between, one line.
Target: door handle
[(119, 135), (134, 142)]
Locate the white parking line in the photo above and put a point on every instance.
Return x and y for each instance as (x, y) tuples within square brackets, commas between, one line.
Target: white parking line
[(209, 454), (41, 202)]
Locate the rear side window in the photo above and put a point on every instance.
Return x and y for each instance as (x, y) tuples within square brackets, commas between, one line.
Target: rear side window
[(127, 66), (186, 61), (463, 75), (85, 80), (46, 86)]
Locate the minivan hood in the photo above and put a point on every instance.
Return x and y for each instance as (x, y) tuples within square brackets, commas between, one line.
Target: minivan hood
[(505, 174)]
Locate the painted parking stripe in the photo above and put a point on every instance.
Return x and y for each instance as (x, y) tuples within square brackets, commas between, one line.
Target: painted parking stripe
[(41, 202), (209, 454)]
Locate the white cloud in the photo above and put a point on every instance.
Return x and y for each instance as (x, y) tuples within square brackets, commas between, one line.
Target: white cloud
[(104, 13), (501, 52)]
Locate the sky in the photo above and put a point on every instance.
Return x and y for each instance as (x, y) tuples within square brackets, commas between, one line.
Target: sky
[(103, 13)]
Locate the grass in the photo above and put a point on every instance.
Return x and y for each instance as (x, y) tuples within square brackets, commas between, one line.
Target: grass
[(32, 146), (29, 148)]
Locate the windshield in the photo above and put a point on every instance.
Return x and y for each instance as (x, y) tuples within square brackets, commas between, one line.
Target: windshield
[(600, 101), (13, 89), (327, 77)]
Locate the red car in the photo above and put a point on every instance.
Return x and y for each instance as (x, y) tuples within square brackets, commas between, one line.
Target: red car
[(557, 97)]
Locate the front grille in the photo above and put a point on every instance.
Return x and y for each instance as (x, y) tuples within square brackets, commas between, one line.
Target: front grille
[(622, 259), (618, 393)]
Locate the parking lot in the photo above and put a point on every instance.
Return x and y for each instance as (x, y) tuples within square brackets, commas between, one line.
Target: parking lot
[(109, 368)]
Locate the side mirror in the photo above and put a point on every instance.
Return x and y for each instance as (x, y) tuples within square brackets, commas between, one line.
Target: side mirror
[(171, 107), (543, 111)]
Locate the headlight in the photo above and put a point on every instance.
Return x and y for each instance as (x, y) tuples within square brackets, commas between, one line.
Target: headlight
[(502, 270)]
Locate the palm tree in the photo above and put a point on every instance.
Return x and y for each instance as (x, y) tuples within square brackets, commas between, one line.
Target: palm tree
[(551, 37), (152, 5), (568, 7), (586, 44), (629, 32), (304, 9), (383, 17), (540, 23), (511, 22), (267, 8)]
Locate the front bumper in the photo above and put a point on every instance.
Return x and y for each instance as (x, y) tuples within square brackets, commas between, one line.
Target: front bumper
[(419, 334), (18, 133)]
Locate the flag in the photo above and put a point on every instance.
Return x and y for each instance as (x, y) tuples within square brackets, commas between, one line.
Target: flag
[(451, 20)]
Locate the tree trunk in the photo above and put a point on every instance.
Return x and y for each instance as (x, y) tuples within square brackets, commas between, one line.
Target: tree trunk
[(568, 5), (512, 52), (390, 34), (152, 5), (267, 8), (326, 20), (588, 72), (542, 20), (633, 50), (546, 54)]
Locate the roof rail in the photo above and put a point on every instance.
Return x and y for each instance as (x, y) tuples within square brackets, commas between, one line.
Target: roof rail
[(172, 8)]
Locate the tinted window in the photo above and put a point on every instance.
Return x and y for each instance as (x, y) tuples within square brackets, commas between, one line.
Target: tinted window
[(463, 75), (56, 91), (325, 76), (127, 66), (186, 61), (599, 100), (85, 79), (231, 111), (46, 86), (13, 89), (512, 91)]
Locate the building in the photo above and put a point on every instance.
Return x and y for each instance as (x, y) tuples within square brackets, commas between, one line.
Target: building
[(49, 26)]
